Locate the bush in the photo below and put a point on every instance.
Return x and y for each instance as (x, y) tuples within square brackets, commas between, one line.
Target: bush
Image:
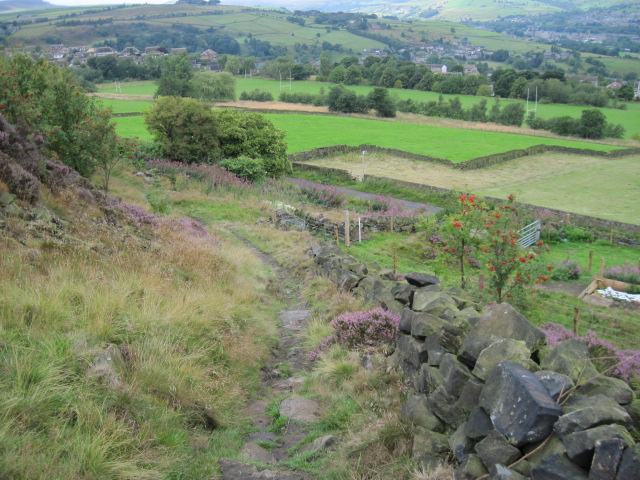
[(20, 182), (250, 169), (257, 95), (576, 234), (569, 270), (305, 98), (321, 195), (624, 273)]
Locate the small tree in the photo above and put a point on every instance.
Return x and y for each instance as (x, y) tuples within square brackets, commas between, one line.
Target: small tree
[(487, 237), (114, 150), (380, 100)]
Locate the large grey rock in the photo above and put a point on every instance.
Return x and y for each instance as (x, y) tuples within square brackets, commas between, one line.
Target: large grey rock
[(590, 417), (252, 451), (444, 405), (412, 350), (539, 451), (580, 445), (322, 444), (403, 293), (347, 281), (470, 397), (428, 446), (425, 324), (453, 333), (501, 321), (615, 388), (421, 279), (432, 302), (570, 358), (505, 349), (500, 472), (470, 469), (434, 349), (300, 409), (495, 448), (455, 375), (557, 467), (460, 444), (629, 464), (406, 320), (606, 458), (555, 383), (478, 425), (519, 406), (429, 379), (578, 402), (417, 412)]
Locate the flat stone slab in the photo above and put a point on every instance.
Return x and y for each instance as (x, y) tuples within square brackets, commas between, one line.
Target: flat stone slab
[(234, 470), (293, 319), (300, 409), (253, 451)]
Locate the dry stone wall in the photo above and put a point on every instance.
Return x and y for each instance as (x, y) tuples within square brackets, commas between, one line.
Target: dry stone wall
[(487, 389)]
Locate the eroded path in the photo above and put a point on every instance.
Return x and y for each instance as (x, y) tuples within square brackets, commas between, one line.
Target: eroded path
[(280, 380)]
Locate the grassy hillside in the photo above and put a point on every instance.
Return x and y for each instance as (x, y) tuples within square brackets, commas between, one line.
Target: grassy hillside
[(75, 26)]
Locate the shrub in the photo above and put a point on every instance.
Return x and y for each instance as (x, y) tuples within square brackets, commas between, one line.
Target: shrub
[(576, 234), (620, 363), (361, 330), (20, 182), (624, 273), (250, 169), (257, 95), (569, 270), (321, 195)]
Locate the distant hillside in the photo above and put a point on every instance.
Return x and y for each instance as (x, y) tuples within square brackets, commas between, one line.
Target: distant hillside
[(9, 5), (454, 10)]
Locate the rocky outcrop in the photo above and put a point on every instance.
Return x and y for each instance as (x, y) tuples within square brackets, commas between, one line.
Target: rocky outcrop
[(487, 386)]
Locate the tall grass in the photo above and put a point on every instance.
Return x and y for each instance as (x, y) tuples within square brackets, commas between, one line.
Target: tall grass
[(126, 356)]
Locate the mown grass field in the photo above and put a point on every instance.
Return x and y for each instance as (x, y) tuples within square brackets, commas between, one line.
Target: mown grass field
[(629, 118), (587, 185), (453, 144)]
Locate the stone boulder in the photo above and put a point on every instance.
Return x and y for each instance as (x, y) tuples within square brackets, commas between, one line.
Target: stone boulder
[(555, 383), (421, 279), (518, 404), (580, 445), (505, 349), (417, 412), (495, 448), (570, 358), (501, 321)]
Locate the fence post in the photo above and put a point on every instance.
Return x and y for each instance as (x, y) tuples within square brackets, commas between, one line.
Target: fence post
[(335, 231), (576, 319), (395, 261), (347, 228), (590, 259), (359, 230), (391, 223), (602, 267), (481, 282)]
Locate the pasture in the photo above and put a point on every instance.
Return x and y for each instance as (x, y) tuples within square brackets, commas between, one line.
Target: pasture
[(305, 132), (629, 118), (604, 188)]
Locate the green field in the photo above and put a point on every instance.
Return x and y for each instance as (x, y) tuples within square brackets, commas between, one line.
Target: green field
[(629, 118), (453, 144)]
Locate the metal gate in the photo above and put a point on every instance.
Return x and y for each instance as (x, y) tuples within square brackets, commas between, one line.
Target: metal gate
[(530, 234)]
